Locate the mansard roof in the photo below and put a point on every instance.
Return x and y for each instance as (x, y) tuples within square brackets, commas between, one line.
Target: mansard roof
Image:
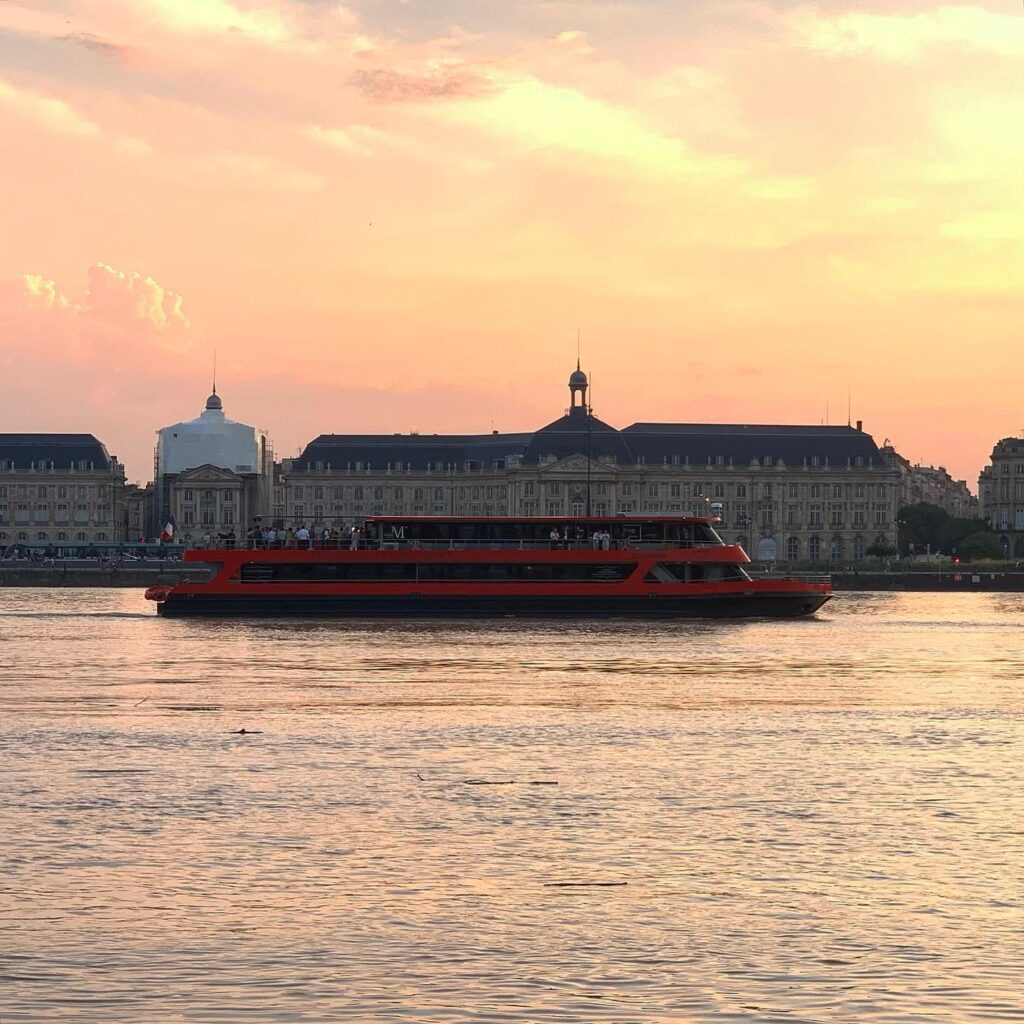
[(65, 451), (572, 435), (743, 443), (417, 450), (693, 444)]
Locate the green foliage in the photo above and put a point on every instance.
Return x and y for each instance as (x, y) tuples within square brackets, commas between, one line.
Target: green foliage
[(980, 544), (927, 526), (880, 551)]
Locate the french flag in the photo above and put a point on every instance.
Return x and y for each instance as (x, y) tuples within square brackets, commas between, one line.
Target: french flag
[(168, 533)]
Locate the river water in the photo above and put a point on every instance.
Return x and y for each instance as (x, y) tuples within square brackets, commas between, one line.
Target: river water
[(816, 820)]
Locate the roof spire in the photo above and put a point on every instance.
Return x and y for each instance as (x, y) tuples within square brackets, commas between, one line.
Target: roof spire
[(215, 371)]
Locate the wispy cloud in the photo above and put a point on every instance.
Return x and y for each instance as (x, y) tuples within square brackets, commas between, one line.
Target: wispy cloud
[(907, 37)]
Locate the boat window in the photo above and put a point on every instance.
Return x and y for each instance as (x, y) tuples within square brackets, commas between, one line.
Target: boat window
[(436, 572), (695, 572)]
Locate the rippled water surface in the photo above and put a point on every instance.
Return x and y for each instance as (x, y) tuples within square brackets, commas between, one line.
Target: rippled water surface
[(820, 820)]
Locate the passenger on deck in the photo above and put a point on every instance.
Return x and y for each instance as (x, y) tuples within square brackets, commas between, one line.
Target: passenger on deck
[(555, 538), (302, 536)]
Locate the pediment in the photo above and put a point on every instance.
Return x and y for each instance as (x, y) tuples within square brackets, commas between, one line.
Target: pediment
[(576, 464), (208, 474)]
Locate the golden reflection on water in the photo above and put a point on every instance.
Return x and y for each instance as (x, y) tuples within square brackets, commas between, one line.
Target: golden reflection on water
[(761, 821)]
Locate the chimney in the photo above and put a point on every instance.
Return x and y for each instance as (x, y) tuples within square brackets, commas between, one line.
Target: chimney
[(860, 425)]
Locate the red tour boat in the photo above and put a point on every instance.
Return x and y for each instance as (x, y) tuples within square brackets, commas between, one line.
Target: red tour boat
[(648, 567)]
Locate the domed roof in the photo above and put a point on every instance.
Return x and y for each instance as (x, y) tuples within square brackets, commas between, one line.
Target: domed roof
[(214, 402), (577, 379)]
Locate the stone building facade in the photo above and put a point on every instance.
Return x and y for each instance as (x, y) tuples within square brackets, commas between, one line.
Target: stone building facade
[(786, 493), (932, 485), (213, 475), (60, 487), (1001, 494)]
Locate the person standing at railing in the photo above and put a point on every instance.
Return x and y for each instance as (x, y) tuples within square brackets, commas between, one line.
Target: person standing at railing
[(302, 536), (353, 539), (555, 538)]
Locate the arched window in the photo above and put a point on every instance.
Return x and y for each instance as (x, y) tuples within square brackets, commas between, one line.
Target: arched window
[(41, 536), (858, 548), (835, 551), (101, 536), (814, 547), (882, 541), (80, 536), (719, 490), (793, 549), (62, 536)]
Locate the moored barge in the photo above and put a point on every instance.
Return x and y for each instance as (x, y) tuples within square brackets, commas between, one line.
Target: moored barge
[(650, 567)]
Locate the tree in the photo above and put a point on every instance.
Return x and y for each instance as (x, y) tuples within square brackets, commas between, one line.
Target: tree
[(979, 545), (926, 526), (881, 551)]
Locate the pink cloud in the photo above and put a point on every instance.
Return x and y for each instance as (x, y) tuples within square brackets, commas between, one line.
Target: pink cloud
[(387, 85)]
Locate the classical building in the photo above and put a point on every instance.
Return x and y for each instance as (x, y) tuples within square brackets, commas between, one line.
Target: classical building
[(212, 476), (59, 487), (796, 493), (1001, 494), (931, 485)]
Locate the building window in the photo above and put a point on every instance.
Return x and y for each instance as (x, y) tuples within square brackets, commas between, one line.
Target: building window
[(554, 508), (766, 490), (880, 517), (188, 495), (792, 515), (858, 548), (555, 488), (740, 508), (417, 494), (792, 490), (768, 516), (209, 515), (528, 488), (814, 547), (836, 515), (741, 490), (80, 536), (814, 515), (858, 490), (652, 490), (719, 490), (627, 490), (188, 517), (836, 549), (837, 490), (793, 549)]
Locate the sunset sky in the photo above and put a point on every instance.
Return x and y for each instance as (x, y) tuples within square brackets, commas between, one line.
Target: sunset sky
[(392, 215)]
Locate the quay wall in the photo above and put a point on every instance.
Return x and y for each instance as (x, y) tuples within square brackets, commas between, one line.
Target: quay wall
[(94, 576)]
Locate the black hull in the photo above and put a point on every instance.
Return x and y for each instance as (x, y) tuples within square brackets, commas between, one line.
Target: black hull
[(782, 605)]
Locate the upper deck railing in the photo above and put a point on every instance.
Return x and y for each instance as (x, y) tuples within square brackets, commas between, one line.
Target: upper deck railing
[(458, 545)]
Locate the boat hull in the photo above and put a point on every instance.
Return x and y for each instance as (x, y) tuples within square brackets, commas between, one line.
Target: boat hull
[(758, 604)]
